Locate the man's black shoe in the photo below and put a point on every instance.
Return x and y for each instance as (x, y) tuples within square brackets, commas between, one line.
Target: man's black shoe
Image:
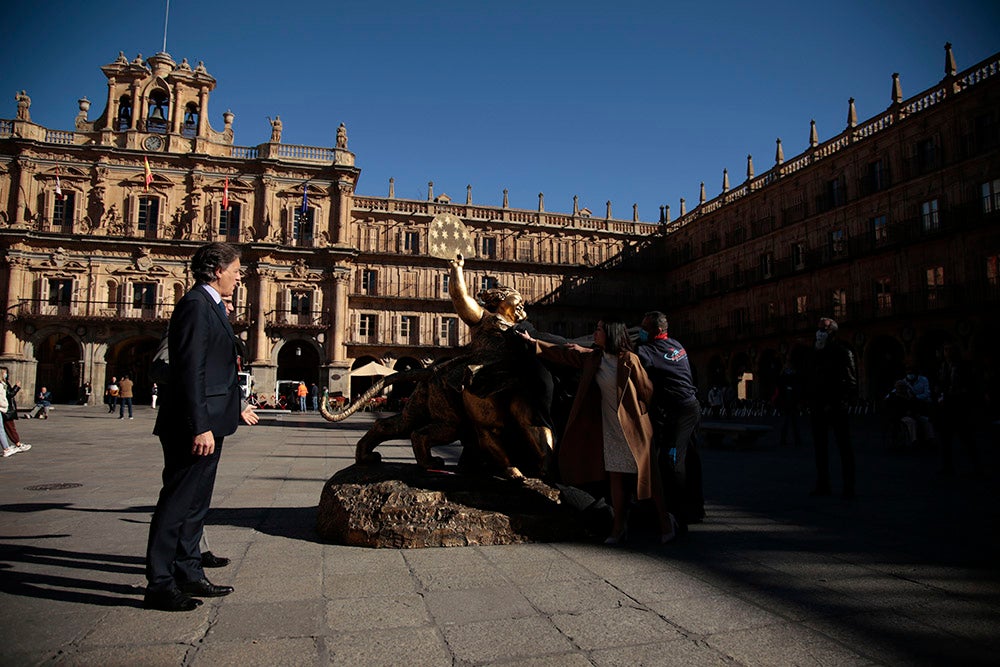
[(169, 600), (820, 491), (208, 559), (205, 589)]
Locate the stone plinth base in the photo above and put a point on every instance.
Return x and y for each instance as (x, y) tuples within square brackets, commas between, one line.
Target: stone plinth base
[(402, 506)]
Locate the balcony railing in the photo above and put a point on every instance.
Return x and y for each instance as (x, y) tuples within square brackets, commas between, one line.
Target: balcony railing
[(84, 309), (917, 104), (296, 319)]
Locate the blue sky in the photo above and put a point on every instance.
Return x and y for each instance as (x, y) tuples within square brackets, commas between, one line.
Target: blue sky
[(632, 101)]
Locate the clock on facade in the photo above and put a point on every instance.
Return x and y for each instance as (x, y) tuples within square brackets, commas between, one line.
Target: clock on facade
[(153, 142)]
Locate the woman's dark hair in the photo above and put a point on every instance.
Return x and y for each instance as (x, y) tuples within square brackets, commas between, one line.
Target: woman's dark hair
[(615, 336), (210, 257)]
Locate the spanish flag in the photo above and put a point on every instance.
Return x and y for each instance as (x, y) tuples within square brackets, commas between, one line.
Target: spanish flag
[(149, 172), (225, 195)]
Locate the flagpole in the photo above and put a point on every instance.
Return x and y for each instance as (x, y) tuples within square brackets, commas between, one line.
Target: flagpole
[(166, 17)]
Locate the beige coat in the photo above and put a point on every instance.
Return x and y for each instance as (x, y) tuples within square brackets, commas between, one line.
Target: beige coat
[(581, 450), (125, 389)]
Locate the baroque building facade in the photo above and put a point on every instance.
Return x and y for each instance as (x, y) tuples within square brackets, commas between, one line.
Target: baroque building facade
[(98, 223), (891, 227)]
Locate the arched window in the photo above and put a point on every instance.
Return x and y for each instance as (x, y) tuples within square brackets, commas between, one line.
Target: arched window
[(159, 112), (190, 126), (124, 118)]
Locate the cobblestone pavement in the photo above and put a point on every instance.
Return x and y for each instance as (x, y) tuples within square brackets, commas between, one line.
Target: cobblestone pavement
[(905, 574)]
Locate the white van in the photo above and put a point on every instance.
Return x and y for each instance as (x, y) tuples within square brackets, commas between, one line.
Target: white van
[(286, 394)]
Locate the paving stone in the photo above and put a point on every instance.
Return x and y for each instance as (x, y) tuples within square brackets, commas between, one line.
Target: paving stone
[(248, 620), (713, 614), (771, 645), (377, 612), (297, 652), (574, 595), (471, 605), (616, 627), (389, 648), (156, 655), (489, 641), (681, 651)]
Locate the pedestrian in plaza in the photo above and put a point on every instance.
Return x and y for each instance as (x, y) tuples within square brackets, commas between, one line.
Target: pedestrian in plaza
[(125, 397), (959, 406), (314, 396), (43, 401), (786, 401), (302, 391), (200, 406), (675, 412), (9, 449), (715, 395), (85, 392), (111, 394), (8, 412), (609, 433), (154, 391), (832, 384)]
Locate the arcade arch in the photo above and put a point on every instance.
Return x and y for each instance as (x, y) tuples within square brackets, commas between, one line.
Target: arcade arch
[(59, 368)]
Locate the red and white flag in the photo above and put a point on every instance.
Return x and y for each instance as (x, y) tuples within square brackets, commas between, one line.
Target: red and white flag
[(225, 195), (149, 172), (59, 194)]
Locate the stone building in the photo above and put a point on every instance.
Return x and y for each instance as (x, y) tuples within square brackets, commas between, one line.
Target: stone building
[(98, 223), (890, 227)]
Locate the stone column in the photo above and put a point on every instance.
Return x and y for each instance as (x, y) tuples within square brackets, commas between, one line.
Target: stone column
[(260, 355), (136, 110), (344, 202), (109, 121), (17, 267), (203, 112), (176, 112), (336, 351), (24, 190)]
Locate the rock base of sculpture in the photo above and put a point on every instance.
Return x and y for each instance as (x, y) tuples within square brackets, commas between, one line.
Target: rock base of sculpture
[(403, 506)]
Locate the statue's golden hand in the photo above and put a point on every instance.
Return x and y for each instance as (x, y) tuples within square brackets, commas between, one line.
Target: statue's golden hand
[(458, 262)]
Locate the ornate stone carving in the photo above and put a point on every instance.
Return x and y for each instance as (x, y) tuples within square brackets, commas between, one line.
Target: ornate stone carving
[(23, 106), (58, 257), (299, 268)]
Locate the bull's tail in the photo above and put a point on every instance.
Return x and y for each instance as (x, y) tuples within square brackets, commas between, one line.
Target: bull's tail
[(375, 390)]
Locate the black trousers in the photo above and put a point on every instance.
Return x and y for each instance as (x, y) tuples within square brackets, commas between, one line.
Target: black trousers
[(824, 419), (679, 460), (172, 553)]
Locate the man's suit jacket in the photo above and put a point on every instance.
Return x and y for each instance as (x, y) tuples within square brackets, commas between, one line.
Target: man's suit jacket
[(202, 393)]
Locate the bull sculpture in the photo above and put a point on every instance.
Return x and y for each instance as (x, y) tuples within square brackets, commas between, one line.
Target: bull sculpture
[(483, 397)]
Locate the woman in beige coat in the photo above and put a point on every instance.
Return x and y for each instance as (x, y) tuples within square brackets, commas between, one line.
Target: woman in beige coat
[(608, 432)]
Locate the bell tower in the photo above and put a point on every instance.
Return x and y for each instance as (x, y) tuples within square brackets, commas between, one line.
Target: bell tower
[(158, 105)]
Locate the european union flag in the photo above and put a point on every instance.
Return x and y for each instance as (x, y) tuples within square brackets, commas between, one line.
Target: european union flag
[(305, 200)]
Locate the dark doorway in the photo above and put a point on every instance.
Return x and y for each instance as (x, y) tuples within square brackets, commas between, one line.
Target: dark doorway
[(298, 361), (59, 368), (132, 357)]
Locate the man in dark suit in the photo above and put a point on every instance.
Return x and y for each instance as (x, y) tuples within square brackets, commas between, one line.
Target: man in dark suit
[(200, 405)]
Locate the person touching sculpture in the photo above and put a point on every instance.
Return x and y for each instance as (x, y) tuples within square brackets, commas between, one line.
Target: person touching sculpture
[(609, 432)]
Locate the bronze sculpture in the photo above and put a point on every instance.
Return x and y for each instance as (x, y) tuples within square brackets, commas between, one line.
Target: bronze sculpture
[(473, 397)]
